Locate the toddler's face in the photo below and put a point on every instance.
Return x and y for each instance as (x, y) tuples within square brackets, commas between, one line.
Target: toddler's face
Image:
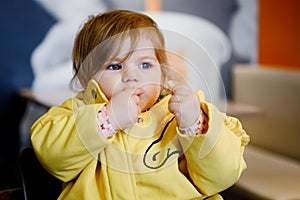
[(140, 70)]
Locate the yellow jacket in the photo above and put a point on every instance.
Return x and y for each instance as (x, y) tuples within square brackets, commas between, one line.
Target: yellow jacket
[(151, 160)]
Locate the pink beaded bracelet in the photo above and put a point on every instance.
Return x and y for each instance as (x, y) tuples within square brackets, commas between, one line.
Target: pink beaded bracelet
[(199, 127), (104, 124)]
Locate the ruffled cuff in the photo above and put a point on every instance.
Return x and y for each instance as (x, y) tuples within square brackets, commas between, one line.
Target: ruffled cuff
[(199, 127), (105, 127)]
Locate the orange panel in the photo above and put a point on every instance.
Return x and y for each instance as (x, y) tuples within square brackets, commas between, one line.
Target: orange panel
[(152, 5), (279, 33)]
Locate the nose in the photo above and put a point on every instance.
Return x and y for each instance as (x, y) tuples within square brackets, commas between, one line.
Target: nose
[(130, 75)]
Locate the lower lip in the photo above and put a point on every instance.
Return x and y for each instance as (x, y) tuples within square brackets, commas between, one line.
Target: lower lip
[(141, 92)]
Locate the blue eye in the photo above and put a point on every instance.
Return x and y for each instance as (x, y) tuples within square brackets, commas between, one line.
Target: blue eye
[(145, 65), (114, 67)]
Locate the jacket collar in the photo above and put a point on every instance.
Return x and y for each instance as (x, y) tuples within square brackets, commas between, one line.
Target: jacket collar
[(92, 94)]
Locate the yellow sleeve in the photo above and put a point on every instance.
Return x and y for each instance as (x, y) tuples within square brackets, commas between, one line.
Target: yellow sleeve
[(66, 139), (215, 160)]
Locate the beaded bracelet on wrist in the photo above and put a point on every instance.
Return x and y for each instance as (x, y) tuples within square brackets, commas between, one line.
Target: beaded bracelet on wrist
[(104, 125), (199, 127)]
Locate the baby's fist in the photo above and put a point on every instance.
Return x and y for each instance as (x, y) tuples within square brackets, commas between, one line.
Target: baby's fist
[(184, 104)]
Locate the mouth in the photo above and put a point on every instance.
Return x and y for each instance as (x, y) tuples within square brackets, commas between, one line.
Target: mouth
[(140, 92)]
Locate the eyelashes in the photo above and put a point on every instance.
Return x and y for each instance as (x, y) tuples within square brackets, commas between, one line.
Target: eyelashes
[(145, 65), (119, 66), (115, 67)]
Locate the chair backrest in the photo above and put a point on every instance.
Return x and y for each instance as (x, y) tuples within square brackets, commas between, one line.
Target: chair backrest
[(37, 182)]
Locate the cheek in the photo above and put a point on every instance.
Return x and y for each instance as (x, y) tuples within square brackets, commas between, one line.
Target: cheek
[(156, 90), (106, 88), (108, 84), (151, 95), (157, 83), (153, 86), (154, 76)]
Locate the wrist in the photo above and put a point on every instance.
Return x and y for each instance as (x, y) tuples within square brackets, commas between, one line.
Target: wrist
[(105, 126), (111, 117), (200, 126)]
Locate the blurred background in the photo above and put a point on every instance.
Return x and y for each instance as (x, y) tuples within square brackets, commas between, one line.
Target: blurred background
[(255, 45)]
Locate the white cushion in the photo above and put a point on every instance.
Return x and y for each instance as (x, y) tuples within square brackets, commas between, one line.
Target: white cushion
[(203, 46)]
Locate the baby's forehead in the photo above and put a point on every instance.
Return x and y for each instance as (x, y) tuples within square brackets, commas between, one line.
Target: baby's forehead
[(139, 47), (136, 55), (122, 46), (141, 43)]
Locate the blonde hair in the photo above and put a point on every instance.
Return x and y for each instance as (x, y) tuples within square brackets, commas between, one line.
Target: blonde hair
[(102, 35)]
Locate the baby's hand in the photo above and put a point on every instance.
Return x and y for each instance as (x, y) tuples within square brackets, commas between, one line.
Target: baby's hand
[(184, 104), (123, 108)]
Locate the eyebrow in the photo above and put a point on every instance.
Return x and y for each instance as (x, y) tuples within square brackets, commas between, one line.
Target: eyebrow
[(147, 57), (121, 60)]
